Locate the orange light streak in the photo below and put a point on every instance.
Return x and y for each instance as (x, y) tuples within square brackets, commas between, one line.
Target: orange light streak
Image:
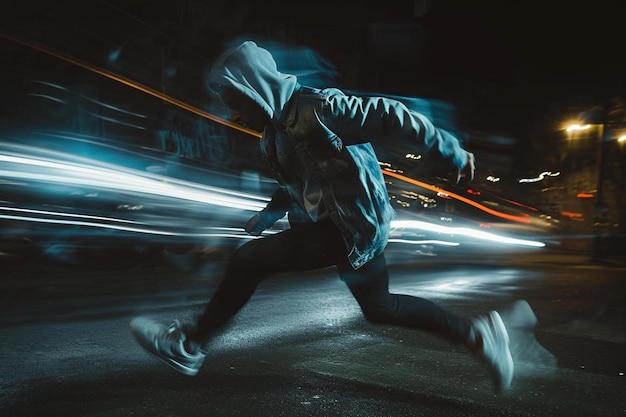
[(458, 197), (518, 204), (133, 84), (573, 216)]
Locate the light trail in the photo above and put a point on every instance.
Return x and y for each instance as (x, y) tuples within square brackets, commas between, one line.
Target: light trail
[(540, 177), (144, 230), (139, 183), (115, 178), (519, 219), (423, 242), (108, 176), (415, 225), (464, 231), (131, 83), (61, 214), (88, 98)]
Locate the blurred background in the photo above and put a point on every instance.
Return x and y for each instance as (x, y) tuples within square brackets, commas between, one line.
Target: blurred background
[(114, 154)]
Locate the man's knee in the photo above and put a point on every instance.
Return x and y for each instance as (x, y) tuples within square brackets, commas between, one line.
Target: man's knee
[(378, 313), (245, 264)]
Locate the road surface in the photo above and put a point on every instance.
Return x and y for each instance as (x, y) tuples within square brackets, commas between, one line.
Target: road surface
[(302, 348)]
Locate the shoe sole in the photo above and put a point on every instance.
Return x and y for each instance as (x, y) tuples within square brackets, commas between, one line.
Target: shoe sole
[(503, 385), (171, 362)]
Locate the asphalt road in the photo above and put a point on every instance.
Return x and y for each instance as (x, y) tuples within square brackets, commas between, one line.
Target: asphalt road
[(302, 348)]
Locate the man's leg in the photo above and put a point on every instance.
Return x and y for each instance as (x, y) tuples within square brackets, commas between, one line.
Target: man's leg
[(485, 335), (370, 286), (308, 246)]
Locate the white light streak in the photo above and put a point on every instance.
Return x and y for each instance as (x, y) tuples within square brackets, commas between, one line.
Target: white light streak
[(90, 224), (541, 177), (124, 228), (130, 181), (61, 214), (464, 231), (424, 242)]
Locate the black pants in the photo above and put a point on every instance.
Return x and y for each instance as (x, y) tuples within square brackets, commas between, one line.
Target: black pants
[(312, 246)]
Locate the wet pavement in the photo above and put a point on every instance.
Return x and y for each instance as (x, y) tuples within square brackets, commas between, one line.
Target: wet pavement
[(302, 348)]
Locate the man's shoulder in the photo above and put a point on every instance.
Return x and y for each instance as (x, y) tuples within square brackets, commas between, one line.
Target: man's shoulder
[(305, 92)]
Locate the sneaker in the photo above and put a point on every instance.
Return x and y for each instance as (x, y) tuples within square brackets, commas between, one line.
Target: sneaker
[(167, 344), (495, 349)]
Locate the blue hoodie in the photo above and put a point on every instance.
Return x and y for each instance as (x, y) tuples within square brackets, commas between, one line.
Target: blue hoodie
[(318, 146)]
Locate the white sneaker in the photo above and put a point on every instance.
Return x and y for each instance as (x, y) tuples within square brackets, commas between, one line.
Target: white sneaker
[(167, 344), (495, 349)]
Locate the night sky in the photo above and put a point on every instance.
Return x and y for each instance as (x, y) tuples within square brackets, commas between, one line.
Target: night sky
[(512, 64), (501, 63)]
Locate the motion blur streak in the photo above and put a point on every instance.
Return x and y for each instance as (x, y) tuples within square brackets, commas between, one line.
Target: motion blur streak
[(108, 176), (87, 220), (125, 228), (47, 97), (88, 98), (424, 242), (230, 124), (89, 224), (132, 84), (463, 231), (59, 214), (113, 177)]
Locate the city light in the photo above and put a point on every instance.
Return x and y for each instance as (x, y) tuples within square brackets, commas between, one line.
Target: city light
[(576, 127), (540, 177)]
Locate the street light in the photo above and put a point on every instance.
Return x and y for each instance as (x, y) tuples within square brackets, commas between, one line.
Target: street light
[(599, 203), (576, 127), (608, 122), (606, 133)]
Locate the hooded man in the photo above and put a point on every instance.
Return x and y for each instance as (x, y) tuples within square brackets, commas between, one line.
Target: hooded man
[(317, 145)]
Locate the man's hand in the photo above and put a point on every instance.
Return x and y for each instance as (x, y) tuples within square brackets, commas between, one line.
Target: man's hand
[(258, 223), (254, 226), (467, 171)]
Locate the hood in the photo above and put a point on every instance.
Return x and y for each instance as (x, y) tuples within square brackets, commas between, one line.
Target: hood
[(252, 70)]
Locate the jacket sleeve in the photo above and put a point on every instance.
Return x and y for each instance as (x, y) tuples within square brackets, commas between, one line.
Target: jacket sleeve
[(357, 119)]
